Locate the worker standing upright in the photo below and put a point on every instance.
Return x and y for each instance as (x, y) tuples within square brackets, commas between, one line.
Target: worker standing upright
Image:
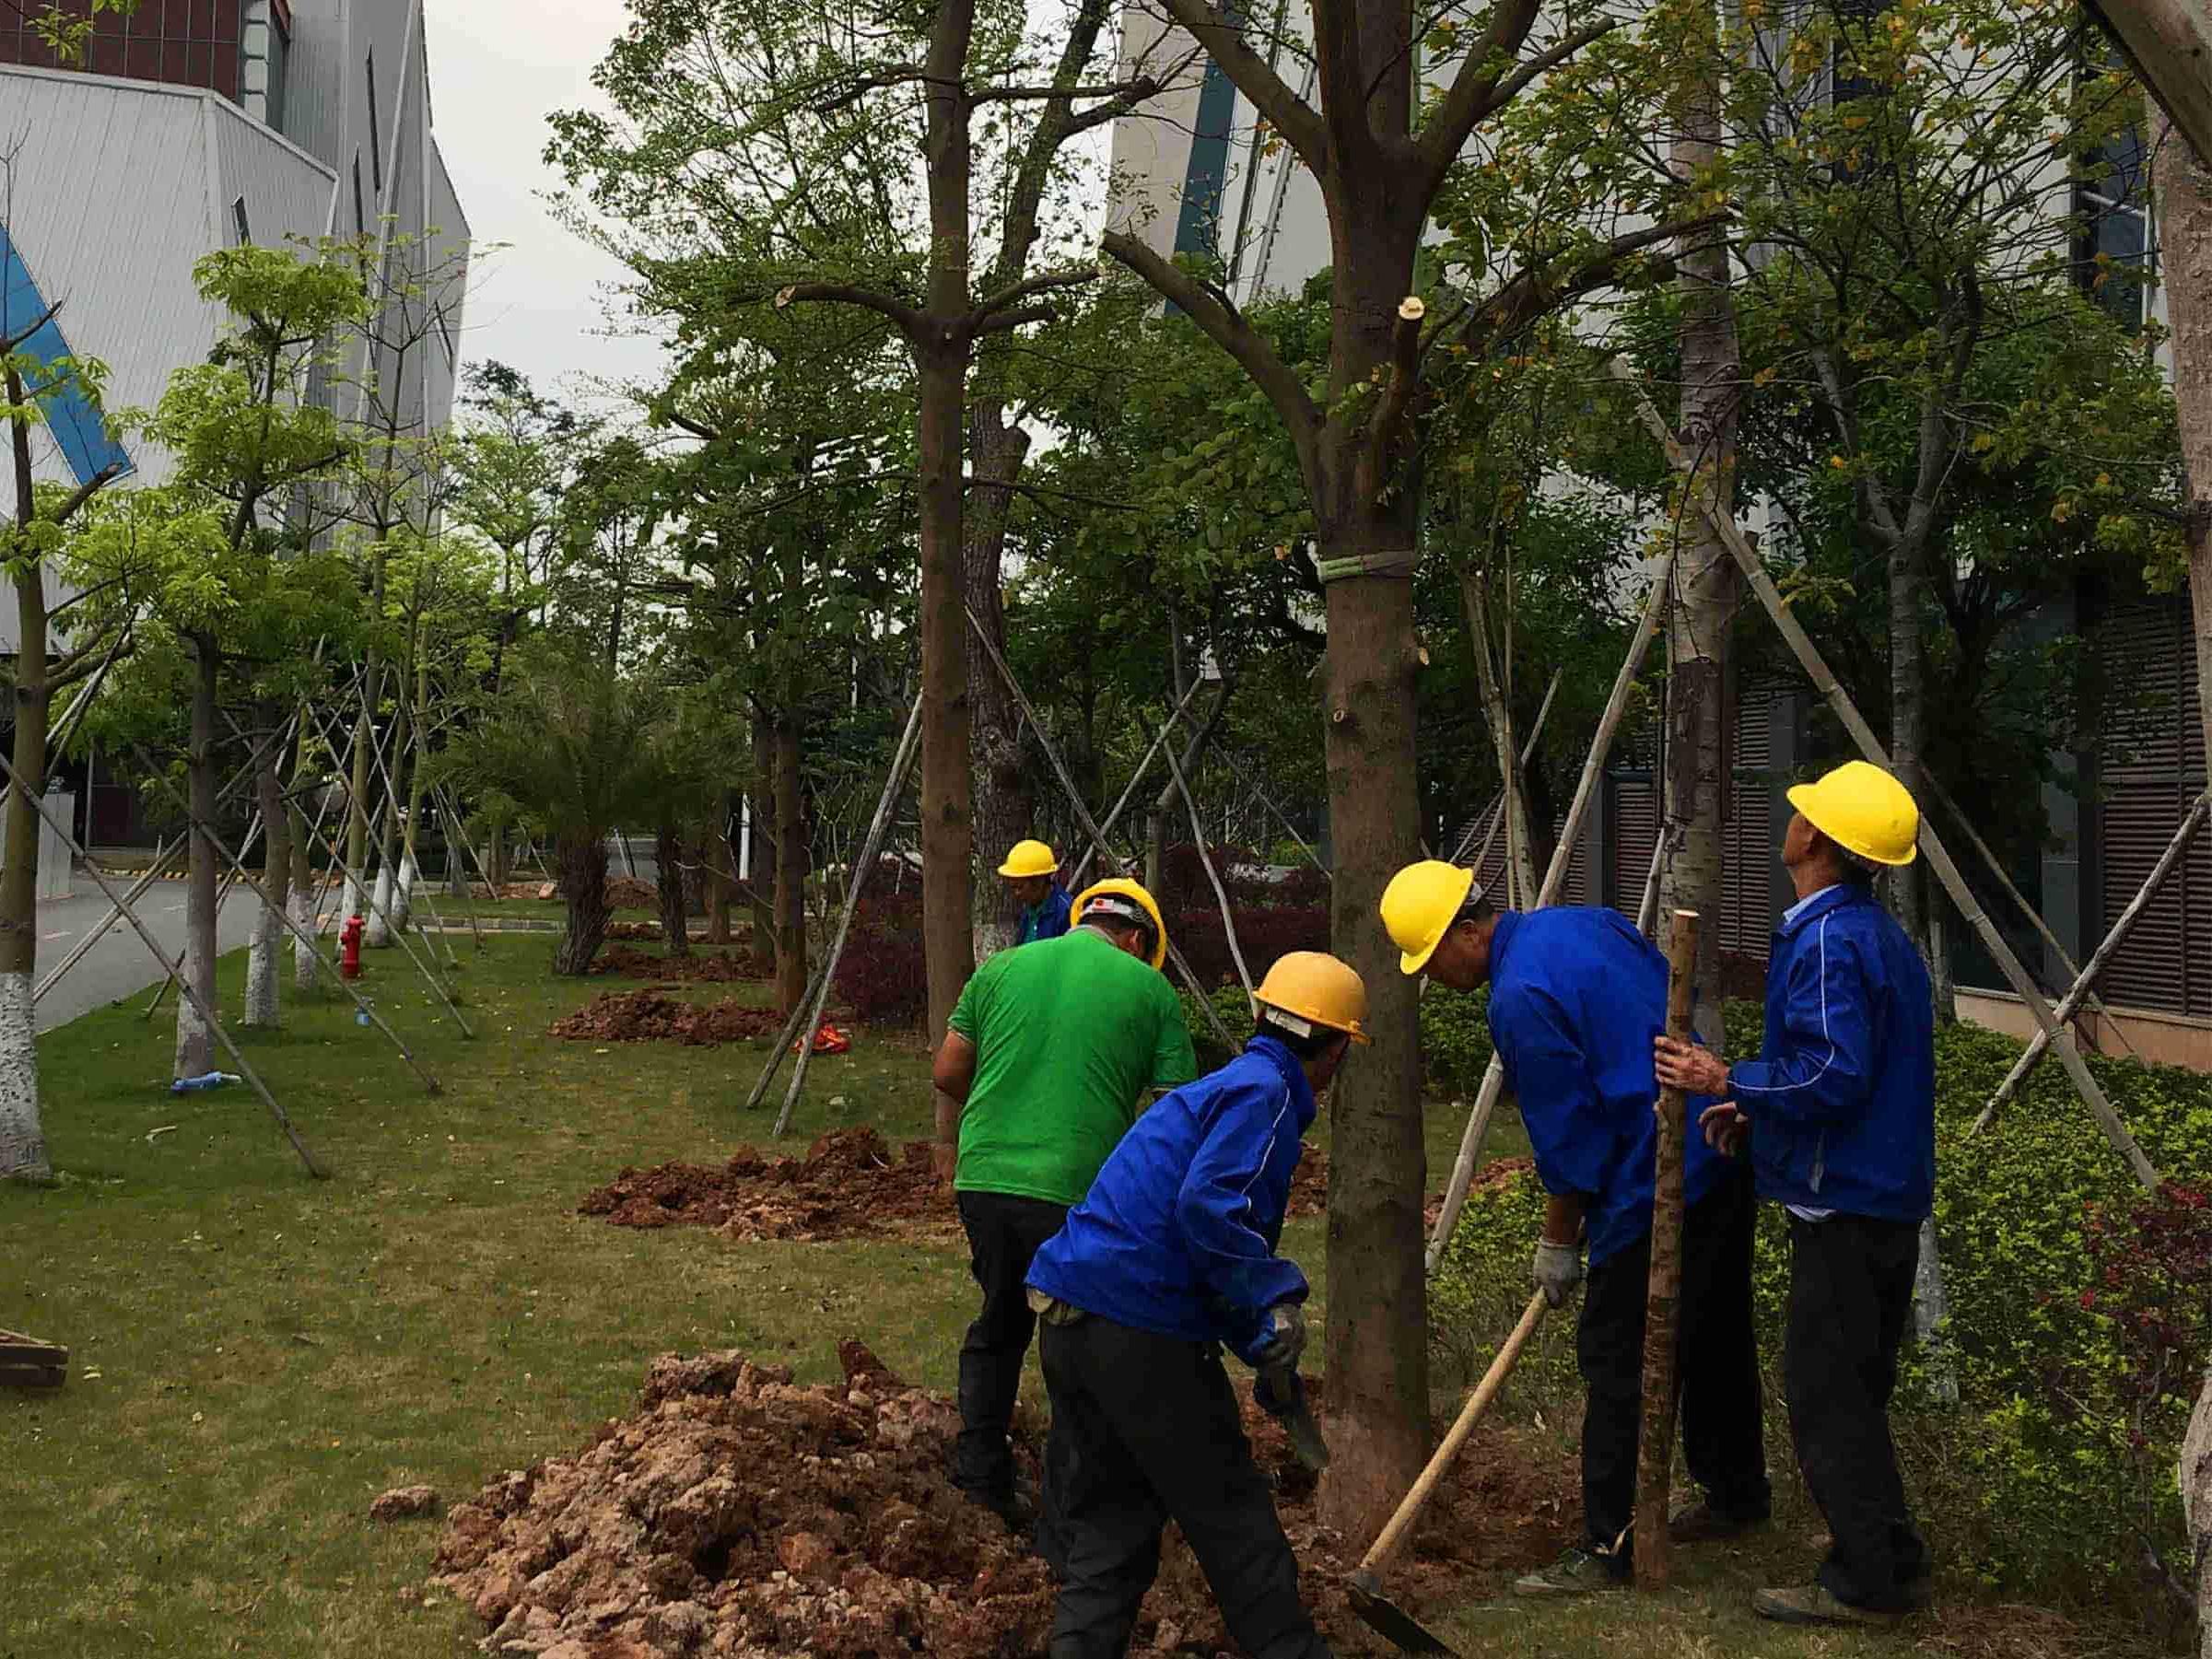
[(1049, 1055), (1170, 1258), (1840, 1112), (1576, 996), (1031, 870)]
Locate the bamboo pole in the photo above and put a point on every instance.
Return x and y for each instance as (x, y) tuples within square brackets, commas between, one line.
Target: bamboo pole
[(1497, 803), (1221, 895), (1655, 1445), (1647, 911), (1520, 856), (1088, 824), (1130, 789), (313, 1165), (1586, 788), (2079, 991), (902, 763), (1931, 844)]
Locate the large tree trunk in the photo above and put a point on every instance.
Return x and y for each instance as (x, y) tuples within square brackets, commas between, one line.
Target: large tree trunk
[(501, 870), (22, 1138), (947, 838), (720, 859), (791, 870), (306, 888), (580, 861), (418, 744), (2185, 198), (263, 1003), (1698, 754), (195, 1055), (385, 915), (1005, 804), (668, 877)]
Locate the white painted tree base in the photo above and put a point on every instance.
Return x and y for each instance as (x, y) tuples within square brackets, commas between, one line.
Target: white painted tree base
[(303, 960), (379, 934), (402, 902), (22, 1141), (262, 1008)]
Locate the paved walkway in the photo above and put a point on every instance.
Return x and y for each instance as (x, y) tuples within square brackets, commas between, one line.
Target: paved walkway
[(120, 965)]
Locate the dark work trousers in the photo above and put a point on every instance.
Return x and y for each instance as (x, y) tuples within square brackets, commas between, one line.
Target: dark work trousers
[(1145, 1429), (1003, 1233), (1849, 1294), (1716, 1370)]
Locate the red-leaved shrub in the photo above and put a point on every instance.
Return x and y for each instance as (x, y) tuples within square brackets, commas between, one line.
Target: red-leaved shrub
[(1264, 932)]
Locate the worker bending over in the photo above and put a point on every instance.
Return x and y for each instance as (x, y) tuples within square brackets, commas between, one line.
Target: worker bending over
[(1576, 996), (1030, 870), (1170, 1258), (1050, 1052), (1840, 1111)]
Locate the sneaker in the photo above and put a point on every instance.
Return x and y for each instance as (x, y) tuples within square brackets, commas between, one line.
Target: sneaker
[(1814, 1604), (1700, 1523), (1576, 1573)]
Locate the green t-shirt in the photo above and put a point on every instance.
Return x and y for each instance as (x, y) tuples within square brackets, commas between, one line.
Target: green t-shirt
[(1069, 1033)]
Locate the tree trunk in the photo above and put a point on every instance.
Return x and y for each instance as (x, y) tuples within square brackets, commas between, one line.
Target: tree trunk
[(306, 889), (668, 878), (1698, 754), (263, 1003), (501, 871), (385, 915), (22, 1138), (418, 758), (790, 870), (580, 861), (195, 1056), (720, 860), (1005, 803), (2196, 1475), (947, 838)]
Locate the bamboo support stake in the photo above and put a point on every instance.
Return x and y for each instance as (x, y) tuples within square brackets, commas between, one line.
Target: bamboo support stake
[(1221, 894), (1130, 789), (1494, 811), (1647, 912), (1563, 855), (1088, 824), (1931, 842), (909, 745), (2078, 992), (1655, 1445), (222, 1035)]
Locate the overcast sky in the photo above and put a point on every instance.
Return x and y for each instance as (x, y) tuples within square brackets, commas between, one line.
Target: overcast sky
[(497, 69)]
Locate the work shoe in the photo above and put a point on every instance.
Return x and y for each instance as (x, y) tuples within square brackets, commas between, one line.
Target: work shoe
[(1700, 1523), (1576, 1572), (1815, 1604), (1020, 1518)]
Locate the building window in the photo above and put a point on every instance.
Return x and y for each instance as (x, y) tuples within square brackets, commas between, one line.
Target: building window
[(238, 220), (2112, 239), (264, 49), (360, 214), (376, 142), (178, 42)]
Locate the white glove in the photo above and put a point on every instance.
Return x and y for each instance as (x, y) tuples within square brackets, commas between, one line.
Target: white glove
[(1557, 1271)]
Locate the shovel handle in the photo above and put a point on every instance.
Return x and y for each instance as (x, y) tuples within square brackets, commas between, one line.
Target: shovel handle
[(1470, 1414)]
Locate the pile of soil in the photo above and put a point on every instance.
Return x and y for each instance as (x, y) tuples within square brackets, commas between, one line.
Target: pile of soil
[(849, 1184), (655, 1016), (737, 1514), (627, 893), (694, 967)]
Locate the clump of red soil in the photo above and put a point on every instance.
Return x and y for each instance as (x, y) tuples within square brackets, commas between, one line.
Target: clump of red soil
[(736, 1513), (849, 1184), (655, 1016), (627, 893), (694, 968)]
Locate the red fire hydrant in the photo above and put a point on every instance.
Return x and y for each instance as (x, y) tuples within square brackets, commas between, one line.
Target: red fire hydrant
[(349, 941)]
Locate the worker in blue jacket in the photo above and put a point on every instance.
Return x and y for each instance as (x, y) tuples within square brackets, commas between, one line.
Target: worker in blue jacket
[(1840, 1112), (1031, 872), (1576, 997), (1170, 1258)]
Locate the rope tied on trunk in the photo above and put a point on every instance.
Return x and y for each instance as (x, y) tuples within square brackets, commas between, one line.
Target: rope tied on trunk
[(1399, 563)]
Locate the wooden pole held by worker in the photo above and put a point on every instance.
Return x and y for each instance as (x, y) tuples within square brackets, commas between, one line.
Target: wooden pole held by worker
[(1655, 1445)]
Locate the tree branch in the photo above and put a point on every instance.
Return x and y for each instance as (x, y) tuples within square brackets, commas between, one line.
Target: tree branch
[(1048, 283), (1300, 124), (1535, 290), (909, 321), (1474, 88)]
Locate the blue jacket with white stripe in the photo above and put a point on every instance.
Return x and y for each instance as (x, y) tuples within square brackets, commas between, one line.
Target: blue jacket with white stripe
[(1841, 1098), (1576, 996), (1179, 1234)]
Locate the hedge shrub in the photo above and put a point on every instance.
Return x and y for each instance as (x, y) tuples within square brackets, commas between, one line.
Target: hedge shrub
[(2079, 1323)]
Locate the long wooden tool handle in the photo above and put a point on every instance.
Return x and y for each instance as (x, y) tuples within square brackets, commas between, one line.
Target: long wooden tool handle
[(1469, 1415), (1655, 1451)]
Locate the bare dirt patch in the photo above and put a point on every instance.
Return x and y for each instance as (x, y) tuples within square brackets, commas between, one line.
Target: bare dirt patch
[(849, 1184), (735, 1514), (655, 1016)]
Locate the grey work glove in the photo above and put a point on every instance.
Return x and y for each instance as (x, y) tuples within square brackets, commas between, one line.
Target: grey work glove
[(1285, 1338), (1557, 1271)]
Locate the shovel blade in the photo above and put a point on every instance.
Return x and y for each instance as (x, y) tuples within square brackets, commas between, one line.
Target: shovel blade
[(1392, 1622)]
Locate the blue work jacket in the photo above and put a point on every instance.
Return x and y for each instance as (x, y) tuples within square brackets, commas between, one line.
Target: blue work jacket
[(1047, 918), (1576, 996), (1179, 1234), (1841, 1098)]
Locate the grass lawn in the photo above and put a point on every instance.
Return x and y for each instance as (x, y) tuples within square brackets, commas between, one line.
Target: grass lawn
[(257, 1355)]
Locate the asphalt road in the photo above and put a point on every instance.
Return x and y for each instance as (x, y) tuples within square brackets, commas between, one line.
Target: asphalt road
[(120, 965)]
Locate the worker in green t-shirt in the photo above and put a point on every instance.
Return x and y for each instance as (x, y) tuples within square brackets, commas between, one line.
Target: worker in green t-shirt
[(1048, 1058)]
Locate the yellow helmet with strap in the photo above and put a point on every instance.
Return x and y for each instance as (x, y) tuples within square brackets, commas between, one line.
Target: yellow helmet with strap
[(1119, 900), (1312, 988), (1864, 810), (1028, 858), (1419, 906)]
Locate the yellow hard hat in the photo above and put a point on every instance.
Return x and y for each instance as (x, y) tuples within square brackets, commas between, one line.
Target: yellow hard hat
[(1116, 895), (1028, 858), (1419, 906), (1864, 810), (1313, 987)]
